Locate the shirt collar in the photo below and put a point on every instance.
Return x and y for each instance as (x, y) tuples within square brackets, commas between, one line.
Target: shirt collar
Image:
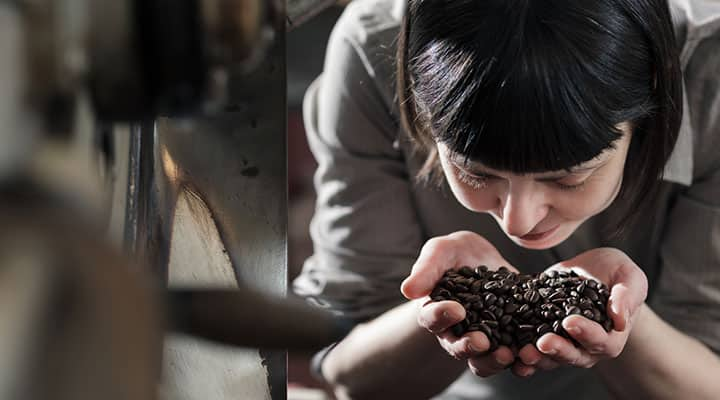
[(679, 167)]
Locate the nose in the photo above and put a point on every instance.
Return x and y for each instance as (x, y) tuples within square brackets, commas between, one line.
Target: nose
[(522, 207)]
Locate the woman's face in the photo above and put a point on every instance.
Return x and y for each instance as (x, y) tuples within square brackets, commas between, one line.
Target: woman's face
[(539, 210)]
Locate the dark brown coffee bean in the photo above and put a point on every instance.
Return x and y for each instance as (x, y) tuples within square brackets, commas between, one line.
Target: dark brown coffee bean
[(588, 314), (510, 308), (485, 329), (580, 287), (590, 294), (457, 330), (528, 315), (557, 295), (500, 302), (490, 323), (471, 317), (557, 327), (526, 327), (491, 285), (505, 320), (573, 310), (490, 299), (487, 314), (466, 272), (598, 316), (506, 339), (523, 309), (476, 286), (543, 329), (518, 297)]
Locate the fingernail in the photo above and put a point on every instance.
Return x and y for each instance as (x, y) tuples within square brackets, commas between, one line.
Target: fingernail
[(575, 330), (615, 308), (551, 351), (499, 361)]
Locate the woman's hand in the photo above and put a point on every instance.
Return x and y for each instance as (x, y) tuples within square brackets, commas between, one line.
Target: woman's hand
[(437, 256), (628, 290)]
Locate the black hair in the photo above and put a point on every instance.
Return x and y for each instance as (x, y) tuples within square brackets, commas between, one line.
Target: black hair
[(533, 86)]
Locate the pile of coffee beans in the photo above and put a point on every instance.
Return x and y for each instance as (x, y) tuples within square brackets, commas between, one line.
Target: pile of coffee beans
[(516, 309)]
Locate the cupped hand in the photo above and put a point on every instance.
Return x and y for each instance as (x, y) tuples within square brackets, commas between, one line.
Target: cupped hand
[(437, 256), (628, 290)]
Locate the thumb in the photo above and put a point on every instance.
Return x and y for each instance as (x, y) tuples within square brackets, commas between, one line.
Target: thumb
[(427, 270)]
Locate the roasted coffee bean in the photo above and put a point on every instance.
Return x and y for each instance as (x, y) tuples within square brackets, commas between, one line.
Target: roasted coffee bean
[(485, 329), (487, 314), (510, 308), (490, 299), (506, 339), (476, 286), (457, 330), (573, 310), (543, 329), (491, 323), (506, 319), (516, 309), (466, 272), (590, 293)]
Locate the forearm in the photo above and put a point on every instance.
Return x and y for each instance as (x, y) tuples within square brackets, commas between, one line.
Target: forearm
[(659, 362), (390, 357)]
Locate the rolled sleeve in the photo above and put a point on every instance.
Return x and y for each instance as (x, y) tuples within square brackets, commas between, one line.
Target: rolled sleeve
[(364, 230)]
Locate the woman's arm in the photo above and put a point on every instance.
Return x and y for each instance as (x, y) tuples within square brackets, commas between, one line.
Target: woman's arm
[(659, 362), (390, 357)]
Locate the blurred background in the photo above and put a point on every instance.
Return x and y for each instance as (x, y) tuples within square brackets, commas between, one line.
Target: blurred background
[(306, 46), (155, 194)]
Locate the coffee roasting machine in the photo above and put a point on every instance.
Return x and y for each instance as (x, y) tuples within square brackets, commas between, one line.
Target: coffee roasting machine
[(143, 201)]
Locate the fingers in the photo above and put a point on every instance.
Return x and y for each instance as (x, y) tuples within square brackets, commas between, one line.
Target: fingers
[(627, 294), (437, 256), (473, 344), (446, 252), (562, 351), (491, 364), (439, 316), (531, 359), (592, 337)]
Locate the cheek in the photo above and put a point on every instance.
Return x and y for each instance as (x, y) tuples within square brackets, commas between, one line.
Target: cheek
[(478, 200), (594, 198)]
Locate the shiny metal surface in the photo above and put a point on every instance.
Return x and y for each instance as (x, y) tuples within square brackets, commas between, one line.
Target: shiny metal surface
[(299, 11)]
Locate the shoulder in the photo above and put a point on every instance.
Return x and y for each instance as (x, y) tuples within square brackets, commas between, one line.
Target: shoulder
[(698, 30), (371, 27)]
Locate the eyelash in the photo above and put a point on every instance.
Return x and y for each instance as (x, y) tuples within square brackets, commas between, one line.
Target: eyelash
[(477, 182), (474, 181), (562, 186)]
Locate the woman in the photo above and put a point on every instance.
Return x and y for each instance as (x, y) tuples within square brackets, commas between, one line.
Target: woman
[(544, 134)]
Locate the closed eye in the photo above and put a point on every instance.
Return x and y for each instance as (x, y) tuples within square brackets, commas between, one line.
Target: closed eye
[(475, 181)]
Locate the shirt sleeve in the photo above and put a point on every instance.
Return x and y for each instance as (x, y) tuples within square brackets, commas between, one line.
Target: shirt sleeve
[(365, 230), (688, 291)]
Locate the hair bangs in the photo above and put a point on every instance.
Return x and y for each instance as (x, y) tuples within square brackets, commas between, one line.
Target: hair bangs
[(544, 98)]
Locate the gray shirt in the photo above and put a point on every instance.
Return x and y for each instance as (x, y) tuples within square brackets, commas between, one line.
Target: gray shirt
[(371, 218)]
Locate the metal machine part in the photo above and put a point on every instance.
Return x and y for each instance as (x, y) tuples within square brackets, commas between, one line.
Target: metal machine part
[(216, 69), (300, 11), (76, 322), (140, 58)]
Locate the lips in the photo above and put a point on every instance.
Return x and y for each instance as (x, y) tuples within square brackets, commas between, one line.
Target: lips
[(531, 237)]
